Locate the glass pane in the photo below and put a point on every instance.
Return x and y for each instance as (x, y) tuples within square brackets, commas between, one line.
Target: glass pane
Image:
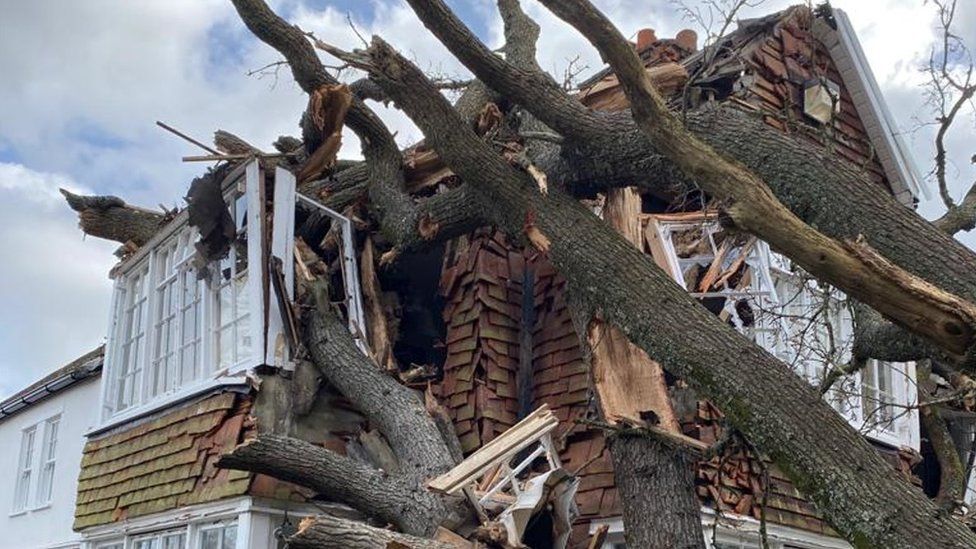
[(230, 537), (210, 539), (174, 541), (225, 344)]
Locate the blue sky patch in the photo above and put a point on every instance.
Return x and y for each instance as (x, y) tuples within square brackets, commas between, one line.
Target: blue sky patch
[(94, 135)]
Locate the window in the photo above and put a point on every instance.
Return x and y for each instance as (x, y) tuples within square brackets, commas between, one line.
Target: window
[(132, 338), (177, 326), (48, 457), (112, 545), (233, 333), (162, 540), (174, 328), (35, 464), (222, 536), (803, 323), (25, 468)]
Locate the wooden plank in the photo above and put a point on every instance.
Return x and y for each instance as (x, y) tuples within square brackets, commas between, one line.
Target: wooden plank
[(502, 447), (282, 248)]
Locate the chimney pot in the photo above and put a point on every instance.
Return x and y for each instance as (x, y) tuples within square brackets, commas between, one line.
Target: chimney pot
[(645, 37), (687, 39)]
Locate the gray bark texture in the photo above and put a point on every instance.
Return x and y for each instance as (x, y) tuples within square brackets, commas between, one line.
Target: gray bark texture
[(657, 488), (328, 532), (782, 415)]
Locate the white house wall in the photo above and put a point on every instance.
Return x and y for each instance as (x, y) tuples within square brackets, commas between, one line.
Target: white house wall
[(50, 526)]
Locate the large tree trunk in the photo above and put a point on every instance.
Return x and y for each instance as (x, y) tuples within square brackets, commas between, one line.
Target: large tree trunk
[(780, 413), (825, 192), (657, 488)]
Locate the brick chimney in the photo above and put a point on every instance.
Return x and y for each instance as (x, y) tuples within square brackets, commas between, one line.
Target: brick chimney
[(687, 39), (645, 37)]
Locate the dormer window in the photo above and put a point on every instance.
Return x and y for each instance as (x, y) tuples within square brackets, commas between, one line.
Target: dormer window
[(175, 332)]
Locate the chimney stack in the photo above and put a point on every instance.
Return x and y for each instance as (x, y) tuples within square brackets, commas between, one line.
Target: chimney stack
[(645, 37), (687, 39)]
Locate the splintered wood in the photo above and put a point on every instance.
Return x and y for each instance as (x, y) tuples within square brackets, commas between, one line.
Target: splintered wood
[(628, 383), (530, 430), (327, 109)]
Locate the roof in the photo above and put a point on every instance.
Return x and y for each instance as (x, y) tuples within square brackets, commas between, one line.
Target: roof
[(164, 463), (758, 63), (894, 154), (84, 367)]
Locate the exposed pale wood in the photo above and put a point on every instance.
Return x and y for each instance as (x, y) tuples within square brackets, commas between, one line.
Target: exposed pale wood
[(627, 382), (502, 447), (377, 325), (607, 94), (327, 108), (598, 537), (715, 269)]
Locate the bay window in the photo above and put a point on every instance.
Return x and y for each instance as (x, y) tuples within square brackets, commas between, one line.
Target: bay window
[(177, 328)]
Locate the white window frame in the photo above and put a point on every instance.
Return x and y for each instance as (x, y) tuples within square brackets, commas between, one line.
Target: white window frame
[(771, 331), (36, 465), (25, 469), (219, 527), (48, 462), (120, 374), (156, 539)]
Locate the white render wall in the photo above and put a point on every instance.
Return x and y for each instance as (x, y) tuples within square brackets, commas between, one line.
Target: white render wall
[(50, 526)]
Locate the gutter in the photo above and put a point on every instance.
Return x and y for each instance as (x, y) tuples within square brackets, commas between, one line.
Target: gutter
[(90, 369)]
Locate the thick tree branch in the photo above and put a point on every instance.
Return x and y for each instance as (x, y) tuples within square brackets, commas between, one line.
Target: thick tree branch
[(876, 338), (762, 397), (942, 318), (396, 410), (329, 532), (532, 88), (340, 478), (952, 475), (109, 217)]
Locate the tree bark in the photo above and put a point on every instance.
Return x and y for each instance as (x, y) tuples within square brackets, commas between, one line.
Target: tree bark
[(781, 414), (109, 217), (328, 532), (656, 483), (370, 491)]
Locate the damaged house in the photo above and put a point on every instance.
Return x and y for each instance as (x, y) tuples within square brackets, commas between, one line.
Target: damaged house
[(210, 345)]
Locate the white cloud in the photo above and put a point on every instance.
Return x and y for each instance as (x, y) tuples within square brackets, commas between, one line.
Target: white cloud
[(84, 82), (54, 302)]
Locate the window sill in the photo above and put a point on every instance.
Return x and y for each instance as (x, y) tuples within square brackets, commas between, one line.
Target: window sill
[(168, 400)]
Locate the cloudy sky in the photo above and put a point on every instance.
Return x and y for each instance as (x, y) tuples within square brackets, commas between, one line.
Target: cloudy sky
[(82, 83)]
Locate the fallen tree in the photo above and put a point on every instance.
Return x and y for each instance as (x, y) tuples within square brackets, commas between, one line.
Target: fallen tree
[(784, 417)]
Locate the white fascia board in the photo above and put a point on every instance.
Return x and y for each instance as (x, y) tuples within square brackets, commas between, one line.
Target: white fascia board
[(901, 167)]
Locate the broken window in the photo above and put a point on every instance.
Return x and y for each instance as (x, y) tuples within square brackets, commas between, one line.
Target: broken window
[(233, 331), (728, 272), (805, 324), (180, 322)]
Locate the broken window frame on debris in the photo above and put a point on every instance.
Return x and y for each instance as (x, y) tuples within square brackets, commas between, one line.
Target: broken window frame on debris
[(137, 346), (773, 330)]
